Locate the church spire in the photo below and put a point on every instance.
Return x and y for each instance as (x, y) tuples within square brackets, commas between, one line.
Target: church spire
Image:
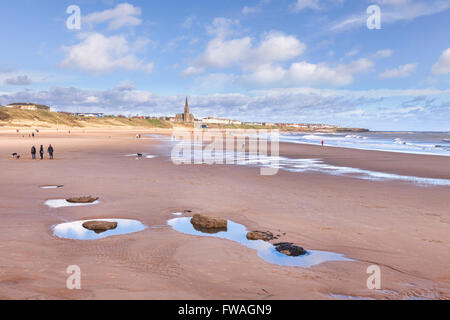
[(186, 107)]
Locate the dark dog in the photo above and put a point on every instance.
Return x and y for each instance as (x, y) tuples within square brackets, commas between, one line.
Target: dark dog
[(16, 156)]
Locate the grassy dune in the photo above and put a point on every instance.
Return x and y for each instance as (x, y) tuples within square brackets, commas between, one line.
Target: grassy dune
[(25, 118)]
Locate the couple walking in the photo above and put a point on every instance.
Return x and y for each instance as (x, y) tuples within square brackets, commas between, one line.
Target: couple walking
[(50, 151)]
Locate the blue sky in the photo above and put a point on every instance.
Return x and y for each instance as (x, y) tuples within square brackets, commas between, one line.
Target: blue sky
[(310, 61)]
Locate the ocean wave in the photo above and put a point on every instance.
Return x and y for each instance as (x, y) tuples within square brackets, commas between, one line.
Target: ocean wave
[(372, 141)]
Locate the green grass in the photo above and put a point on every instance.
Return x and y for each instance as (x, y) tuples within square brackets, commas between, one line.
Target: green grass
[(50, 119)]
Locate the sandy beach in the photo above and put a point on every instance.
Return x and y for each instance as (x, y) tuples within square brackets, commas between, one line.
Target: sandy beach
[(400, 226)]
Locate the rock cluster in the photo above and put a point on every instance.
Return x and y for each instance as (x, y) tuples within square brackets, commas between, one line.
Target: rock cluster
[(87, 199), (260, 235), (290, 249), (100, 226)]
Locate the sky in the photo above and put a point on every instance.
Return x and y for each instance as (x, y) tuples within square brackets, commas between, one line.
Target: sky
[(294, 61)]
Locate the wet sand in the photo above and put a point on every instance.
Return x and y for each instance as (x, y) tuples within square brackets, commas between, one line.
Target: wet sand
[(399, 226)]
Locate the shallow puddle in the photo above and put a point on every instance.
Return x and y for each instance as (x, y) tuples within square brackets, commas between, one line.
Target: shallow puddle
[(51, 187), (61, 203), (141, 156), (238, 233), (76, 231)]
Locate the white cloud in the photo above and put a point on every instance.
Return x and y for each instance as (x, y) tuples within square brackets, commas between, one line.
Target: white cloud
[(192, 70), (352, 53), (270, 61), (222, 53), (123, 15), (443, 64), (20, 80), (304, 73), (249, 10), (399, 72), (362, 65), (125, 86), (13, 77), (273, 47), (385, 53), (223, 27), (189, 22), (300, 5), (98, 54)]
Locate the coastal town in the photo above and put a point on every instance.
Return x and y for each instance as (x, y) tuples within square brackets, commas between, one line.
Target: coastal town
[(188, 119)]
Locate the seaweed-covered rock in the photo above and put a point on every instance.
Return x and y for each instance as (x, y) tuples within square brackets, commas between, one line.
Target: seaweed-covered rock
[(260, 235), (87, 199), (100, 226), (208, 223), (290, 249)]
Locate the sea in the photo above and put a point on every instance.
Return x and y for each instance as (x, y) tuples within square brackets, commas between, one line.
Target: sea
[(431, 143)]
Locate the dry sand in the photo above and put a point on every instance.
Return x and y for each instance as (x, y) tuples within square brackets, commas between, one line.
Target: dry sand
[(399, 226)]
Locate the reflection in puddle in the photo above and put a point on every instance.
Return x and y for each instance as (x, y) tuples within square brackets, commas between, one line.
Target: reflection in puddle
[(60, 203), (266, 250), (51, 187), (76, 231), (141, 156)]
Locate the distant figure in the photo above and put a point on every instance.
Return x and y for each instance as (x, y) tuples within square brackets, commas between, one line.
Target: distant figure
[(33, 153), (41, 152), (322, 143), (50, 151), (32, 134)]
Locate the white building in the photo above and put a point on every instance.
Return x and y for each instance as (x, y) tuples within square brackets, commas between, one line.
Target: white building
[(88, 115), (213, 120)]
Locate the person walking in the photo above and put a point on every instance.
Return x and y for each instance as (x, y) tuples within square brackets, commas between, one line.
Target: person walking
[(33, 152), (41, 152), (50, 151), (322, 143)]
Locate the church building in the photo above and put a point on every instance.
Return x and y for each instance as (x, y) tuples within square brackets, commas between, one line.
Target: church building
[(187, 116)]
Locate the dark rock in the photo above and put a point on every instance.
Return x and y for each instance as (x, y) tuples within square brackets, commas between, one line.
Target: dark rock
[(87, 199), (100, 226), (290, 249), (260, 235)]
